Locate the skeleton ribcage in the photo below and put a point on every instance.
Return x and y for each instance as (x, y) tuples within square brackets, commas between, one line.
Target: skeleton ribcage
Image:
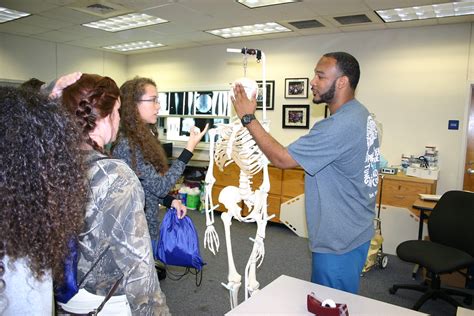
[(235, 144)]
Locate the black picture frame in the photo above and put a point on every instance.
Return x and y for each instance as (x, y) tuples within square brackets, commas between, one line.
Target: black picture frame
[(270, 95), (296, 88), (295, 116)]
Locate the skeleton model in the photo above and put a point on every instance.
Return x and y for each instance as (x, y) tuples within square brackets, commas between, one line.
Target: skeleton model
[(235, 144)]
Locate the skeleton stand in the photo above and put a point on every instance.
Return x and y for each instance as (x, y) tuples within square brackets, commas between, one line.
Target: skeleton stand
[(235, 144)]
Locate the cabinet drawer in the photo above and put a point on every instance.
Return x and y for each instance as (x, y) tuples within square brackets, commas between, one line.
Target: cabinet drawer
[(403, 193), (293, 182)]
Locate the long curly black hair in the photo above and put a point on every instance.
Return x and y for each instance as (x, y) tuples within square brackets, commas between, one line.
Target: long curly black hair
[(42, 180), (136, 130)]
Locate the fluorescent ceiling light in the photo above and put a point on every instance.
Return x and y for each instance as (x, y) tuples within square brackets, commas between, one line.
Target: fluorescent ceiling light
[(125, 47), (10, 15), (125, 22), (440, 10), (263, 3), (248, 30)]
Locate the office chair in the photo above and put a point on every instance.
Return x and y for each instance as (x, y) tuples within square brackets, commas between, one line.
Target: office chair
[(450, 248)]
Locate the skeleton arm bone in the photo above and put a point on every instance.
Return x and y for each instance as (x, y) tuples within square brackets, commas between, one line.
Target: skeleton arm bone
[(265, 186), (211, 238)]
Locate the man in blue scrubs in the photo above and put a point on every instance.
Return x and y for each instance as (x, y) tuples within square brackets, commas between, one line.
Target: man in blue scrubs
[(340, 156)]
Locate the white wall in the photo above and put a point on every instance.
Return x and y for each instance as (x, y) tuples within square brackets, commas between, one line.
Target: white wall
[(414, 79), (22, 58)]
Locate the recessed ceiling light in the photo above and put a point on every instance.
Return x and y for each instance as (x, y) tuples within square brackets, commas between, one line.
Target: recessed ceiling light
[(249, 30), (440, 10), (263, 3), (10, 15), (125, 22), (125, 47)]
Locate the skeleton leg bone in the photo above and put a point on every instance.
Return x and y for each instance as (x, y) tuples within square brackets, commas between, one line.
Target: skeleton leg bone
[(234, 278)]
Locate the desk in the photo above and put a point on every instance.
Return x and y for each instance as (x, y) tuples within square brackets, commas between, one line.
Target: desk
[(423, 206), (287, 296)]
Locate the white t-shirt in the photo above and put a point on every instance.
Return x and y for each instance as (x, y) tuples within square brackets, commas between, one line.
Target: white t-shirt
[(26, 295)]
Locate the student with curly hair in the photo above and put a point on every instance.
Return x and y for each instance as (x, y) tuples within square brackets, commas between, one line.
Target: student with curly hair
[(138, 145), (42, 194), (115, 225)]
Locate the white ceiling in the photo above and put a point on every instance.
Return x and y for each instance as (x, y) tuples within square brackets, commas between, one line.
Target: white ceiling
[(56, 21)]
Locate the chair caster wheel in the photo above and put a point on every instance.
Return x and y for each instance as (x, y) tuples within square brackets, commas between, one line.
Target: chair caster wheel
[(382, 261)]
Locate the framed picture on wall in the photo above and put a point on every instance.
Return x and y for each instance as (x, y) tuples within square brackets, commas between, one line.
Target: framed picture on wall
[(295, 116), (296, 88), (270, 94)]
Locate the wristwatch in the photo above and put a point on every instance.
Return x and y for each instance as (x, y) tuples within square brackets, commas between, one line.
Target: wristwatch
[(247, 118)]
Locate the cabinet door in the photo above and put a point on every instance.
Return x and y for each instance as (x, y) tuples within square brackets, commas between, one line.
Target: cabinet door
[(273, 207), (292, 182), (274, 175), (403, 193)]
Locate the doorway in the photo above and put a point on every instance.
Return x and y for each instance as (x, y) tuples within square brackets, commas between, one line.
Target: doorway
[(468, 183)]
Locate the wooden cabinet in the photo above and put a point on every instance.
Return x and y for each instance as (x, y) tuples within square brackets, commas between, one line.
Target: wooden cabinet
[(292, 183), (402, 191), (398, 190), (284, 185)]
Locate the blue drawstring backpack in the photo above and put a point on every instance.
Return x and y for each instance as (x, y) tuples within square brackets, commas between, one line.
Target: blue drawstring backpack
[(179, 242), (70, 286), (65, 291)]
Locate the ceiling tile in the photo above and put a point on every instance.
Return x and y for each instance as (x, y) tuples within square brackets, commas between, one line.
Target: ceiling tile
[(16, 27), (69, 15), (59, 36), (45, 22), (28, 6), (54, 21)]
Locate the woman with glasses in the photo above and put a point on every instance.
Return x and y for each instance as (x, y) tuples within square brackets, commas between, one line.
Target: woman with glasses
[(138, 145)]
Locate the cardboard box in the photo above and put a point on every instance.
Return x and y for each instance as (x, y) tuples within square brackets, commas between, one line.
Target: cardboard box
[(423, 173), (454, 279)]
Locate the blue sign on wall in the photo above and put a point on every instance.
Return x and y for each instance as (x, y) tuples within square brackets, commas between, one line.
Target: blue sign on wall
[(453, 124)]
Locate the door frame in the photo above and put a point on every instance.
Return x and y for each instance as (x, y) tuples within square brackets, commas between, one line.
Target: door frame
[(465, 128)]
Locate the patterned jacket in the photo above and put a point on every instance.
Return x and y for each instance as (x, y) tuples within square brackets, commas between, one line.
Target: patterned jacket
[(155, 185), (115, 218)]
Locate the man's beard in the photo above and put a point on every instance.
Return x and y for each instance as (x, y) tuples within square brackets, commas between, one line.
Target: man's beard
[(328, 96)]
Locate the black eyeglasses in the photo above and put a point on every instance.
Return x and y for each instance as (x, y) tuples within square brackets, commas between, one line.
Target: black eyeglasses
[(155, 100)]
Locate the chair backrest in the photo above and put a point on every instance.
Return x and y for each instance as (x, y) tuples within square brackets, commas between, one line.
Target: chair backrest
[(451, 222)]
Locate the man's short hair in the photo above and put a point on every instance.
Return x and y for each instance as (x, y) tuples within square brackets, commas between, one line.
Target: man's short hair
[(33, 83), (348, 65)]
